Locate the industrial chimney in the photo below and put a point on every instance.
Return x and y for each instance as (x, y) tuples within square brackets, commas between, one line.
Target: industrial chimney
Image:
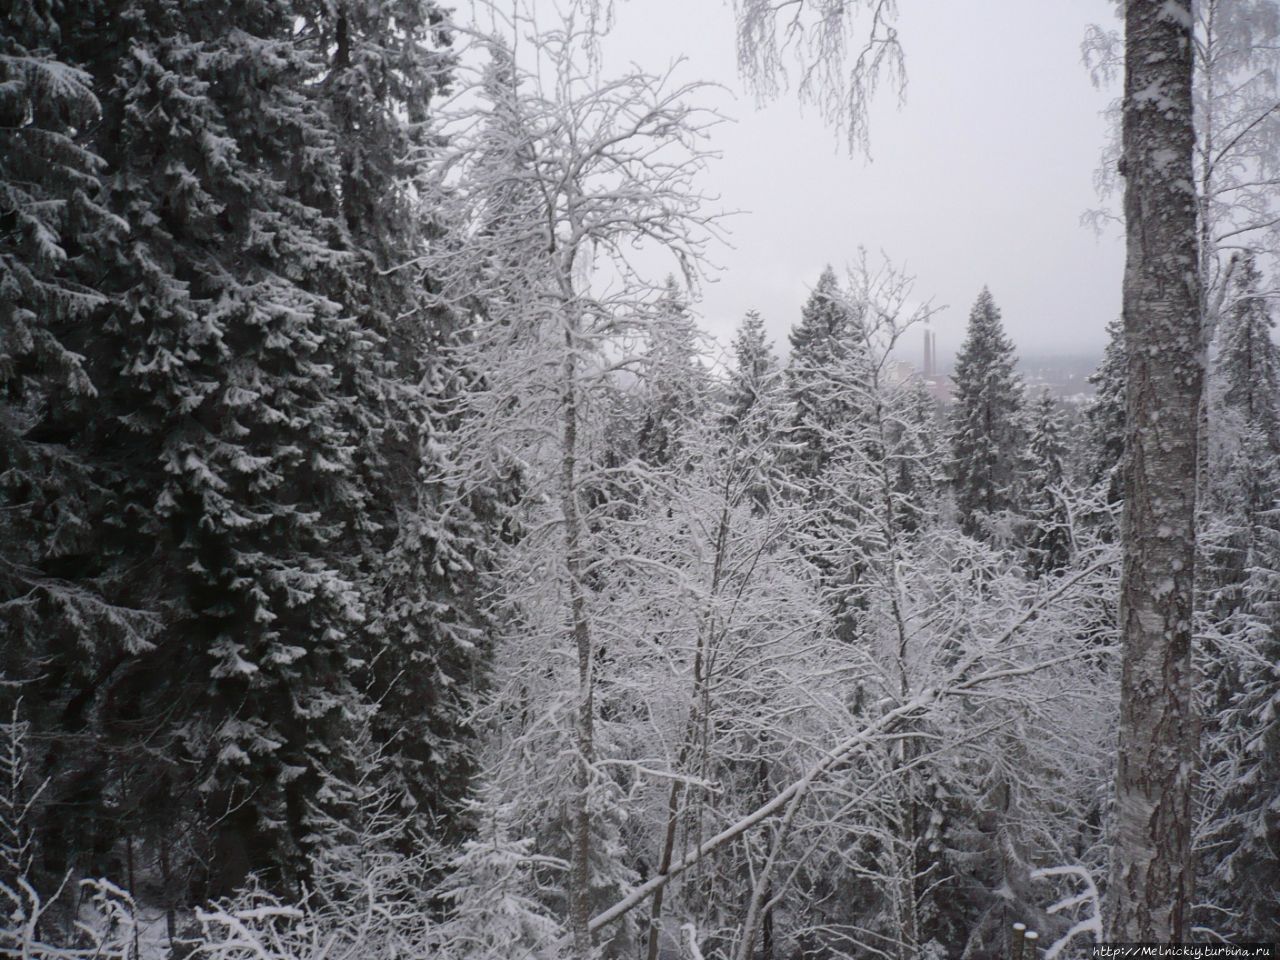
[(930, 368)]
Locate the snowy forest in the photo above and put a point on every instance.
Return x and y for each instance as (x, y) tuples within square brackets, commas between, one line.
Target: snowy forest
[(392, 566)]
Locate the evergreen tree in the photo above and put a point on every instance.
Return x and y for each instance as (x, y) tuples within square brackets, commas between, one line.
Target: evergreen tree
[(1244, 435), (754, 415), (754, 366), (987, 439), (47, 180), (1246, 364), (227, 360), (1104, 417), (65, 620), (1049, 537), (828, 384), (676, 384), (1248, 875), (825, 347), (916, 443), (1239, 584), (424, 542), (260, 428)]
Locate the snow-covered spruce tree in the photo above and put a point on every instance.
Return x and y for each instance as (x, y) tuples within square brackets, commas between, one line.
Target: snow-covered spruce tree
[(824, 343), (547, 343), (1246, 373), (987, 437), (48, 179), (1048, 520), (847, 389), (65, 616), (1243, 397), (1104, 418), (1238, 560), (422, 546), (755, 364), (826, 379), (228, 430), (922, 474), (492, 888), (754, 414), (428, 641), (1245, 746), (675, 386), (867, 503)]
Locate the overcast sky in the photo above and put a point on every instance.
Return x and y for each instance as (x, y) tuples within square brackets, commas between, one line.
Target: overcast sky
[(980, 178)]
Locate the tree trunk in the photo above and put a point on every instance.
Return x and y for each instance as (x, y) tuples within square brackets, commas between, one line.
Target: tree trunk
[(1150, 876), (580, 628)]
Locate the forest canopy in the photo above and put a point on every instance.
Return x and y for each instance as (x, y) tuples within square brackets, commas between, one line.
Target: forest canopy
[(392, 565)]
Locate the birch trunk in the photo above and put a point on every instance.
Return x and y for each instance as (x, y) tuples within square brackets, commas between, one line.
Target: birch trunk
[(1150, 877)]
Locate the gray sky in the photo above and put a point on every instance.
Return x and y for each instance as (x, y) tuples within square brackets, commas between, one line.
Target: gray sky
[(979, 179)]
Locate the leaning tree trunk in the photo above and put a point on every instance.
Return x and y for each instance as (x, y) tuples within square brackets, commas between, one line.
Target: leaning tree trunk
[(1150, 876)]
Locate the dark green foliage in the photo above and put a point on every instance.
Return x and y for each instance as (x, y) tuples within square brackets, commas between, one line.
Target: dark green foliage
[(827, 388), (822, 377), (987, 439), (753, 417), (915, 454), (422, 646), (1248, 873), (1240, 600), (1247, 364), (48, 180), (426, 646), (755, 366), (1049, 533), (222, 488), (676, 385), (65, 618), (232, 414), (1104, 417)]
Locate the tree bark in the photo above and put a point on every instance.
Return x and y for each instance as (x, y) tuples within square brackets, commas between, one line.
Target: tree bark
[(1150, 877), (580, 628)]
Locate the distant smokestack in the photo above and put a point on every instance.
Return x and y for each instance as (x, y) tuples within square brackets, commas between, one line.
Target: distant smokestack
[(933, 354), (925, 367)]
